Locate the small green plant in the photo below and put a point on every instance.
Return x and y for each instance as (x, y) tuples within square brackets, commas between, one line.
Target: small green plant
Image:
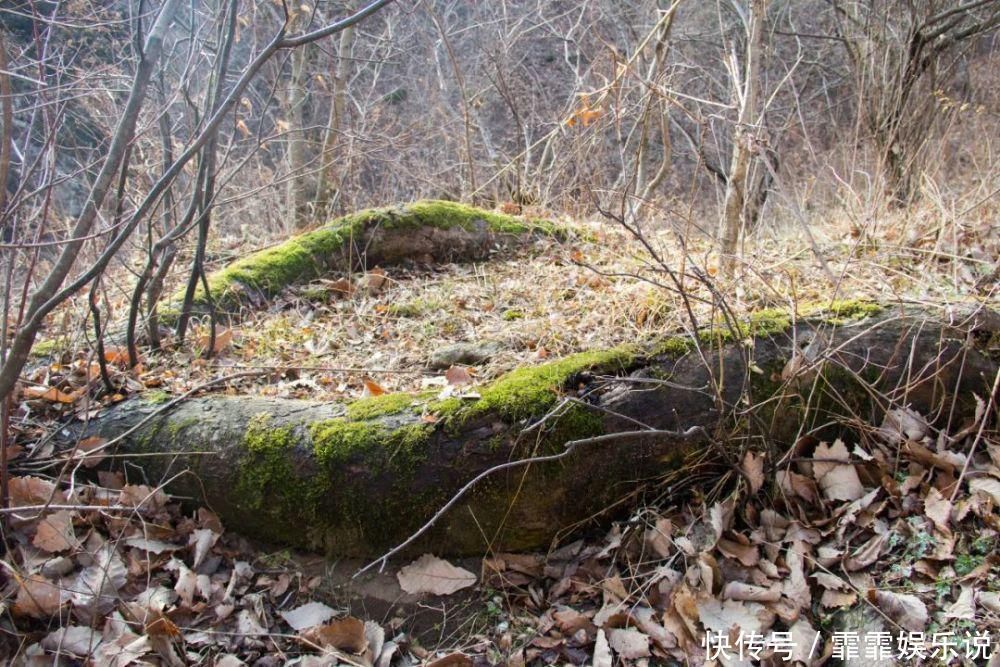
[(966, 563), (984, 545)]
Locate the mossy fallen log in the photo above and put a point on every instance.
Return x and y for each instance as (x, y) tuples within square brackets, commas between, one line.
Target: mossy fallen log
[(437, 231), (358, 479)]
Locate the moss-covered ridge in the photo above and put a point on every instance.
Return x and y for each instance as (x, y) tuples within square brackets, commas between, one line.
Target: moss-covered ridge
[(355, 479), (389, 437), (340, 245), (315, 481)]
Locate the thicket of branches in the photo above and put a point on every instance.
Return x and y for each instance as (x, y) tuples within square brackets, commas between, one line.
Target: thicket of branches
[(137, 136)]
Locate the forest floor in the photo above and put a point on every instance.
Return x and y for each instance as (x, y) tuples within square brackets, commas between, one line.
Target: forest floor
[(887, 537)]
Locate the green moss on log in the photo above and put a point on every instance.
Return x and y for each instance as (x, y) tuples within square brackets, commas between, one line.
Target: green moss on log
[(532, 391), (380, 406), (267, 481), (310, 255)]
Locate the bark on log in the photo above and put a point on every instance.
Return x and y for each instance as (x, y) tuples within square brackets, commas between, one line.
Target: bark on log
[(436, 231), (356, 480)]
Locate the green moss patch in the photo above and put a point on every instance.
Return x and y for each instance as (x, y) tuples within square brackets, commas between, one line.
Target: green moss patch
[(266, 469), (46, 348), (310, 255), (337, 442), (531, 391), (847, 311), (380, 406), (416, 308)]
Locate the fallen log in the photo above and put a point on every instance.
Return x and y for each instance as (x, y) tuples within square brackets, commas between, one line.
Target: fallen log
[(357, 479), (430, 230)]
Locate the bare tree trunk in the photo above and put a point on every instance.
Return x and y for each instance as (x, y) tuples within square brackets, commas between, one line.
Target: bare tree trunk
[(328, 186), (296, 187), (646, 185), (737, 187)]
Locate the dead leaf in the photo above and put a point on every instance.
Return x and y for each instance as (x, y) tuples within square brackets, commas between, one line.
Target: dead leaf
[(95, 590), (839, 481), (753, 468), (372, 388), (838, 600), (142, 496), (453, 660), (73, 639), (203, 539), (746, 554), (732, 615), (602, 651), (50, 394), (937, 508), (796, 587), (55, 532), (804, 640), (989, 600), (344, 634), (738, 590), (152, 546), (458, 376), (657, 538), (309, 615), (629, 643), (429, 574), (88, 445), (374, 281), (794, 484), (865, 555), (901, 424), (987, 486), (964, 607), (907, 610), (37, 597)]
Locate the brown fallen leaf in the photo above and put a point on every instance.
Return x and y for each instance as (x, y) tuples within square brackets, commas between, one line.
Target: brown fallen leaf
[(73, 639), (55, 532), (140, 495), (344, 634), (309, 615), (88, 445), (37, 597), (629, 643), (738, 590), (744, 553), (116, 355), (429, 574), (372, 388), (657, 538), (987, 486), (965, 606), (866, 554), (453, 660), (29, 491), (342, 287), (839, 481), (907, 610), (374, 281), (458, 376), (50, 394), (753, 468), (838, 600), (937, 508), (794, 484)]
